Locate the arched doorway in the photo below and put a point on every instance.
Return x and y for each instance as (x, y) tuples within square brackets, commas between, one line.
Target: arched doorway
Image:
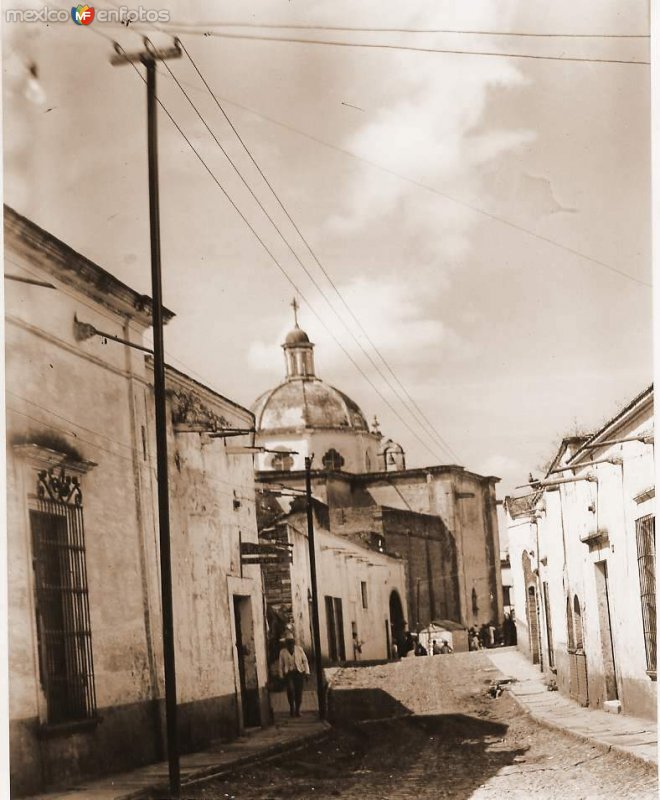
[(532, 622), (397, 621), (532, 610)]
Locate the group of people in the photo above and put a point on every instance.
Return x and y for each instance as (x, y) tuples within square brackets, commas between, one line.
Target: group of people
[(409, 644), (490, 635)]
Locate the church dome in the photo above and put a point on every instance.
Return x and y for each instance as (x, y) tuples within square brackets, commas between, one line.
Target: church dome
[(296, 336), (297, 405)]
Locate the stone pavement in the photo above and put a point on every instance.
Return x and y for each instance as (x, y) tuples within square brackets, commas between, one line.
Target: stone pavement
[(260, 744), (629, 735)]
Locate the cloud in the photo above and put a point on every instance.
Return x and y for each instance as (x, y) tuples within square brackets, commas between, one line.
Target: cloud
[(428, 132), (392, 312)]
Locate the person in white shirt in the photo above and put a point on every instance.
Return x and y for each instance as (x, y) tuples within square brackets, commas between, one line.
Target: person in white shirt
[(293, 667)]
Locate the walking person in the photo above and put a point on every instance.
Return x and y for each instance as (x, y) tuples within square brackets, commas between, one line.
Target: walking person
[(446, 647), (294, 667)]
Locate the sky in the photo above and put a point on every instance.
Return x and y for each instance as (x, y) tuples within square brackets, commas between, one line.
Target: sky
[(474, 211)]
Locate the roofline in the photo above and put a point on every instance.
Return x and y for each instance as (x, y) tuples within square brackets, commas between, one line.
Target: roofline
[(366, 477), (66, 264), (563, 447), (342, 537), (629, 410), (199, 385)]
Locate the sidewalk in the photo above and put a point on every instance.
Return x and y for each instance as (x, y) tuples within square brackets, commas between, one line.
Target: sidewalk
[(261, 743), (629, 735)]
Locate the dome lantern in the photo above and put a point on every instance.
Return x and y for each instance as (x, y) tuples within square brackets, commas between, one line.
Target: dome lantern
[(298, 351)]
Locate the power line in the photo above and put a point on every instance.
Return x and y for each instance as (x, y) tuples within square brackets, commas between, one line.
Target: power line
[(381, 46), (428, 424), (280, 267), (188, 369), (307, 272), (204, 25), (434, 190)]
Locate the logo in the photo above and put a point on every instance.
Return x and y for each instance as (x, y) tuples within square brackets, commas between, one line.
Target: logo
[(82, 15)]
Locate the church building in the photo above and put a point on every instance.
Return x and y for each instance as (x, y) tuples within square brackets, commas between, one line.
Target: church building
[(440, 519)]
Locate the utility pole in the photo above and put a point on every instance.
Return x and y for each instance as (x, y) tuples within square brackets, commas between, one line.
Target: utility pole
[(316, 627), (148, 58)]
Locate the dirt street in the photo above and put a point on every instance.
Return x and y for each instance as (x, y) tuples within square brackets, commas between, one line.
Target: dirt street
[(458, 742)]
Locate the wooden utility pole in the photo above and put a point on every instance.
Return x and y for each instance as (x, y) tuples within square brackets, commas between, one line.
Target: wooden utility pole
[(316, 627), (148, 58)]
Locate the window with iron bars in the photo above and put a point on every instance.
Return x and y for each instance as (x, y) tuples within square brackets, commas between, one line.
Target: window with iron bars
[(645, 528), (62, 604)]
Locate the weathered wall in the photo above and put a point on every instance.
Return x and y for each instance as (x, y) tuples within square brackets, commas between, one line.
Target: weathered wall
[(212, 508), (342, 565), (584, 528), (91, 402), (466, 504), (358, 449), (427, 548), (78, 398)]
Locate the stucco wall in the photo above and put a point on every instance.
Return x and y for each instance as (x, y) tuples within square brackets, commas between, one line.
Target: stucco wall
[(466, 504), (91, 401), (358, 449), (341, 567), (584, 528)]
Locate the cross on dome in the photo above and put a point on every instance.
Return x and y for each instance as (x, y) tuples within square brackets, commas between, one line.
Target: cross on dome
[(295, 306)]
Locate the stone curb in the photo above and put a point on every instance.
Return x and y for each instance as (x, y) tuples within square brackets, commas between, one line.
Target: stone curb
[(207, 773), (601, 744)]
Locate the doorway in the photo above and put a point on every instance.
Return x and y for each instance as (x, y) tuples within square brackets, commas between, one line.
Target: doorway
[(605, 624), (533, 625), (334, 619), (397, 622), (247, 661)]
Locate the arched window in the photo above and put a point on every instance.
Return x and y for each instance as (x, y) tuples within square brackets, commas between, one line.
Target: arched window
[(282, 461), (475, 604), (367, 461), (577, 617), (333, 461)]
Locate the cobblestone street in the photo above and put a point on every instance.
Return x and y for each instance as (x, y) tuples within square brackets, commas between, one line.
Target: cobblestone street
[(459, 742)]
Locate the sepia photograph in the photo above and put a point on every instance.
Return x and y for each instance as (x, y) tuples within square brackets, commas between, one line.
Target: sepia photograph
[(328, 347)]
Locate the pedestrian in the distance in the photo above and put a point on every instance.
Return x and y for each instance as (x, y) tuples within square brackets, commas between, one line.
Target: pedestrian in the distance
[(436, 648), (294, 667), (420, 650), (445, 648), (491, 635)]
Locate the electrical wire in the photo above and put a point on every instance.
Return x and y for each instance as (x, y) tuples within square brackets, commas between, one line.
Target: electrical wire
[(425, 419), (306, 270), (278, 265), (409, 48), (133, 450), (420, 184), (189, 371), (204, 25), (434, 190)]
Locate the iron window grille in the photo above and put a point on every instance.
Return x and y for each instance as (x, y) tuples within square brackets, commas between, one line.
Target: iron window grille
[(64, 635), (645, 529)]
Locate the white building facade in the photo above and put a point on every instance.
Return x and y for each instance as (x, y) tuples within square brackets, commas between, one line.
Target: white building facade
[(582, 550), (85, 652)]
